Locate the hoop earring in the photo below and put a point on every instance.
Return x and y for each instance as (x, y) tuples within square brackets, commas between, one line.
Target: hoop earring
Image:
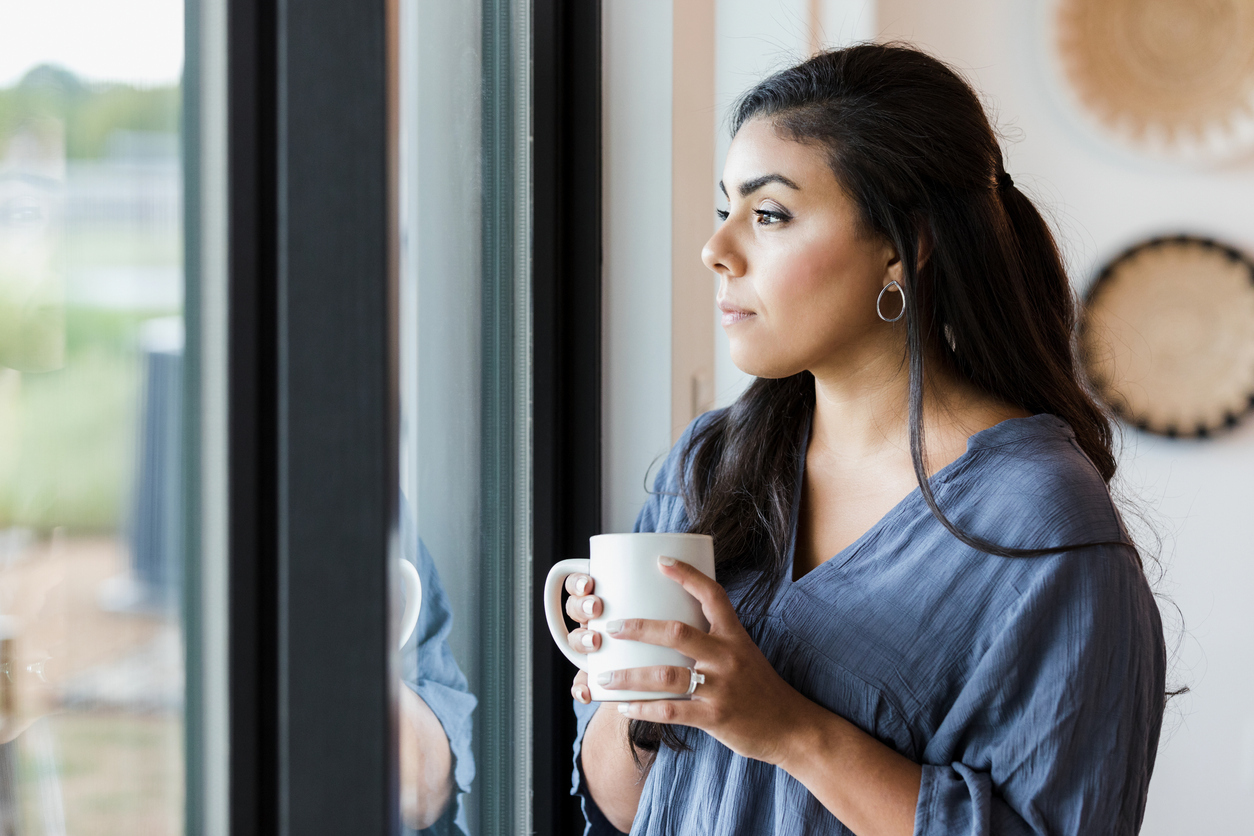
[(880, 298)]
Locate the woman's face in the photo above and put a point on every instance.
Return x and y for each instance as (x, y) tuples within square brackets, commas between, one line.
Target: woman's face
[(797, 282)]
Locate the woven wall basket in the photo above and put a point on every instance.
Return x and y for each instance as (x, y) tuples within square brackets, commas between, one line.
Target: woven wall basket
[(1173, 78), (1167, 336)]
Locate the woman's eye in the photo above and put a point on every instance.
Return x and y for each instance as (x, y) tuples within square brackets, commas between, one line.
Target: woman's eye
[(765, 217), (768, 217)]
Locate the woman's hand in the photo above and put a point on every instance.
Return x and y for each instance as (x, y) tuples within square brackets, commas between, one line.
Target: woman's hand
[(743, 703), (582, 607), (614, 781), (750, 709)]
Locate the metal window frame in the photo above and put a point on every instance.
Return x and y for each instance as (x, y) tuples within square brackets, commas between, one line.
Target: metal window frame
[(193, 615), (566, 293), (312, 355), (312, 416)]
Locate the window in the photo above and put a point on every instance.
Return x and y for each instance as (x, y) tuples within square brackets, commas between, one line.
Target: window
[(281, 302), (96, 456)]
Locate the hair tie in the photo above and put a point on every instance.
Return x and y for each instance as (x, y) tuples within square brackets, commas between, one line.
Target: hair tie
[(1005, 181)]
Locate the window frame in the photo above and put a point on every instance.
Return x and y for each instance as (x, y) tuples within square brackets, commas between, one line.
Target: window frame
[(312, 416), (566, 123), (313, 400)]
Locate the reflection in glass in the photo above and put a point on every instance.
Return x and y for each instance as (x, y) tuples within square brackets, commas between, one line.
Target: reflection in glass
[(440, 425), (91, 670), (465, 332)]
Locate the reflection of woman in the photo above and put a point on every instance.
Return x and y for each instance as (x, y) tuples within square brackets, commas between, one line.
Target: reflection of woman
[(437, 766), (954, 637)]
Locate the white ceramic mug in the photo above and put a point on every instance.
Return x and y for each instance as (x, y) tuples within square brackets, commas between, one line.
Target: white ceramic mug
[(630, 585), (411, 588)]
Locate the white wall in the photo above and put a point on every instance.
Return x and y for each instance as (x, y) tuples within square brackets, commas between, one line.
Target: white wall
[(636, 183), (1197, 494)]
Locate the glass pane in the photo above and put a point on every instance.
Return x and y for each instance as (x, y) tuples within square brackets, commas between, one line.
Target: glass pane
[(464, 444), (440, 358), (91, 447)]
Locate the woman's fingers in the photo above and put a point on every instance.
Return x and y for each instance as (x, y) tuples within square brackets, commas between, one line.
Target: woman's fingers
[(678, 712), (579, 688), (579, 584), (583, 608), (580, 606), (685, 638), (713, 598), (667, 679), (584, 640)]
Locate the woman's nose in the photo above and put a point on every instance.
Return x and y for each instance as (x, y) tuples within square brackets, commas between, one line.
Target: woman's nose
[(720, 256)]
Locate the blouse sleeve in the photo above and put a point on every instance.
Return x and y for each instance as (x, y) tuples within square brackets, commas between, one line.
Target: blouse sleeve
[(662, 511), (429, 669), (1058, 728)]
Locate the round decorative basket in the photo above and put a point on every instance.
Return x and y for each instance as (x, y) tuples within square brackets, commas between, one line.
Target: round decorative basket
[(1167, 336), (1173, 78)]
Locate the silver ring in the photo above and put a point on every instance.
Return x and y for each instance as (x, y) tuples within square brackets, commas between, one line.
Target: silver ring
[(694, 680)]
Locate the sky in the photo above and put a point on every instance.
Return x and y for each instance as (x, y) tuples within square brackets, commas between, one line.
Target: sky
[(134, 41)]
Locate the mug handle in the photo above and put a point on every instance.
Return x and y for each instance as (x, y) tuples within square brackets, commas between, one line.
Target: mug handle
[(411, 586), (553, 604)]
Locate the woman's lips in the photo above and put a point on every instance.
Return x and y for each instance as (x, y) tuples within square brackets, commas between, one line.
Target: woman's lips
[(732, 314)]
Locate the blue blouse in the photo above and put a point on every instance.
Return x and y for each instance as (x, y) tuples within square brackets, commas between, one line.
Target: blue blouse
[(1030, 689), (428, 667)]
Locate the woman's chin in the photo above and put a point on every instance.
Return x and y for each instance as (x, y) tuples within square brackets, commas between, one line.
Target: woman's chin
[(757, 365)]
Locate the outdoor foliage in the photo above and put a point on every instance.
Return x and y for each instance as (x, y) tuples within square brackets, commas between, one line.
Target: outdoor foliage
[(91, 113), (68, 436), (67, 450)]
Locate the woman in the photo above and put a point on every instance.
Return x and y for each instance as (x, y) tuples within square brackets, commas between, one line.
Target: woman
[(934, 638)]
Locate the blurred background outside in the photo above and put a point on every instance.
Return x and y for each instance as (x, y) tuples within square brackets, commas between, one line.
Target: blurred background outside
[(91, 287)]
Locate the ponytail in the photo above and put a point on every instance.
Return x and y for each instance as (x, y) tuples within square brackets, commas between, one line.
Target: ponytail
[(1038, 251)]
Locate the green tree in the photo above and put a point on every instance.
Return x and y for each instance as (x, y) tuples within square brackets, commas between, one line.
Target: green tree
[(90, 113)]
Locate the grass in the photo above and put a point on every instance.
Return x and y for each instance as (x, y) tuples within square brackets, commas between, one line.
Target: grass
[(89, 113), (67, 446)]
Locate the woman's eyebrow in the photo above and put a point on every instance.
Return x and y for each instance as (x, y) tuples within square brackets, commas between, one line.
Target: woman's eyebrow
[(750, 186)]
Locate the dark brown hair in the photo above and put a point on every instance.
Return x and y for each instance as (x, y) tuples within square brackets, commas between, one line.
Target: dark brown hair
[(908, 140)]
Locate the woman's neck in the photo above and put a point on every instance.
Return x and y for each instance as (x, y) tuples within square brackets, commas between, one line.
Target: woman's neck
[(863, 412), (860, 414)]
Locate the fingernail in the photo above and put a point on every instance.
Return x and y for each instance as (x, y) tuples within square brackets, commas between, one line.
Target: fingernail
[(581, 585), (666, 561), (588, 640), (614, 627), (574, 691), (624, 708), (581, 694), (604, 677), (587, 605)]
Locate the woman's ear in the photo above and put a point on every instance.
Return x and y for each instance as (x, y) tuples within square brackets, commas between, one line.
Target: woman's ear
[(894, 269), (925, 246)]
